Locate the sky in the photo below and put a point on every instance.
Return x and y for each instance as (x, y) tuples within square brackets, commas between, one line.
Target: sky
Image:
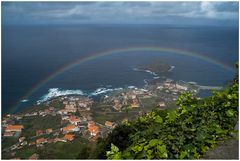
[(144, 12)]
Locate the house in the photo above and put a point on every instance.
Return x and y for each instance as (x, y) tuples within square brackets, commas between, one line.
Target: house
[(181, 87), (35, 156), (70, 128), (49, 131), (31, 143), (39, 132), (70, 108), (117, 105), (59, 139), (41, 141), (69, 137), (4, 123), (65, 117), (8, 134), (74, 120), (135, 103), (14, 128), (161, 104), (109, 124), (62, 112), (21, 139), (24, 143), (92, 128), (50, 141), (160, 87)]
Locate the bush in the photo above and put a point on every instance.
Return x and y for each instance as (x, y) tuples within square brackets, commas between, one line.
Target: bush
[(184, 133)]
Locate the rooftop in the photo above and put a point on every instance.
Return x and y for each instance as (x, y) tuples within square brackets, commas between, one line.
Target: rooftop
[(69, 137)]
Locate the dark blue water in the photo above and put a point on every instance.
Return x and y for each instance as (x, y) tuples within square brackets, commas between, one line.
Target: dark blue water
[(32, 53)]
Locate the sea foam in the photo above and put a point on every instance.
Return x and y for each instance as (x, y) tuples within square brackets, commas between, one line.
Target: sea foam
[(172, 67), (148, 71), (103, 91), (56, 92), (24, 100)]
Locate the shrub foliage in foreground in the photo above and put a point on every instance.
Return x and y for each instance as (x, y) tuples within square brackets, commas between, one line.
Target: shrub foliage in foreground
[(184, 133)]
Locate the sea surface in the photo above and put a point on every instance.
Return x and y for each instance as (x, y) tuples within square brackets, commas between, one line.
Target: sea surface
[(32, 54)]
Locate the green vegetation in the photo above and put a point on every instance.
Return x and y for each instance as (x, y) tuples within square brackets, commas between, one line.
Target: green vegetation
[(26, 152), (158, 66), (31, 124), (8, 141), (61, 150), (187, 132)]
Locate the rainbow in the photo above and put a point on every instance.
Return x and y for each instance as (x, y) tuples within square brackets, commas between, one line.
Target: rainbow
[(120, 51)]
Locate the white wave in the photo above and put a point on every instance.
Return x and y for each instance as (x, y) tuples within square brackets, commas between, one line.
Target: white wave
[(131, 87), (103, 90), (56, 92), (156, 77), (148, 71), (24, 100), (172, 67)]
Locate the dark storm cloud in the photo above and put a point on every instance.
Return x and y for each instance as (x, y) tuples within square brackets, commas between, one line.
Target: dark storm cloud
[(116, 12)]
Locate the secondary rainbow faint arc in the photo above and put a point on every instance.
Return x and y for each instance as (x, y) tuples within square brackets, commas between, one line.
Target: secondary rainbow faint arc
[(119, 51)]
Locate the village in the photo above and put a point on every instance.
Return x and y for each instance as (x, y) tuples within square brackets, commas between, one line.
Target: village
[(75, 115)]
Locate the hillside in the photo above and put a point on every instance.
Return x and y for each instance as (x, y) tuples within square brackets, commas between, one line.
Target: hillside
[(187, 132)]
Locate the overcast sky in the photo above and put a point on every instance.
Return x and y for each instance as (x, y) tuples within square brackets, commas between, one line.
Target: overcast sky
[(178, 13)]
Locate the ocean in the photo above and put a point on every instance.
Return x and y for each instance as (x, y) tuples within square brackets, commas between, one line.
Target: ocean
[(33, 56)]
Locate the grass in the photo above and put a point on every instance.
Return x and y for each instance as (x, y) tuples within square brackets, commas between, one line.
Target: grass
[(61, 150), (8, 141), (31, 124), (26, 152)]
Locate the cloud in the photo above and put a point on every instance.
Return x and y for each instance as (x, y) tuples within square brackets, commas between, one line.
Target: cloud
[(116, 12)]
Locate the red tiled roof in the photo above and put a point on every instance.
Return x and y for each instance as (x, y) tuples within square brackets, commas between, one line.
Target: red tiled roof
[(69, 137), (41, 140), (14, 127), (69, 127), (94, 129)]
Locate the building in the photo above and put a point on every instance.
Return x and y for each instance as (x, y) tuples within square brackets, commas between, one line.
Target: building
[(93, 128), (69, 137), (8, 134), (21, 139), (49, 131), (41, 141), (60, 139), (65, 117), (135, 103), (109, 124), (31, 143), (24, 143), (70, 128), (161, 104), (74, 120), (71, 107), (181, 87), (39, 132), (117, 105), (62, 112), (14, 128)]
